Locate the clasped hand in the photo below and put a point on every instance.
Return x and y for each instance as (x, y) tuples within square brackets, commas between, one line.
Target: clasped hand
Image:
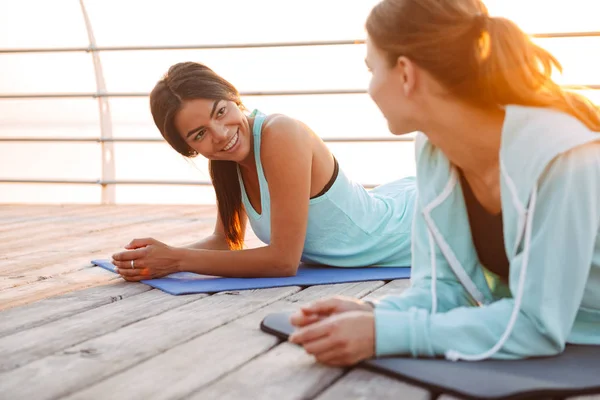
[(146, 259), (338, 331)]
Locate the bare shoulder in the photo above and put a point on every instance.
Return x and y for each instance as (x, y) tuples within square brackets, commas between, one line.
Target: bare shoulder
[(283, 129), (284, 140)]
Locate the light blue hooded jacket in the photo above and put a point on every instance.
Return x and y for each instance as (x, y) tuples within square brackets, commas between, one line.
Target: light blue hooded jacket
[(550, 192)]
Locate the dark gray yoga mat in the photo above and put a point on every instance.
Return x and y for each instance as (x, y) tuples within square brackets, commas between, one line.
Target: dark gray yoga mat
[(575, 372)]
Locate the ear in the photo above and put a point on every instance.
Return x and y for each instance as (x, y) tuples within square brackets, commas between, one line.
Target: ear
[(407, 73)]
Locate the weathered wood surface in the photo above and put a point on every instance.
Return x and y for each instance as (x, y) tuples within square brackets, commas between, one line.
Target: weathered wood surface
[(54, 308), (23, 347), (360, 384), (53, 257), (293, 374), (70, 330)]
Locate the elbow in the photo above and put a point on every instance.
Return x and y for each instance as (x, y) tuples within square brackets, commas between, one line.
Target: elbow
[(282, 260), (286, 268), (549, 339), (284, 264), (549, 348), (555, 344)]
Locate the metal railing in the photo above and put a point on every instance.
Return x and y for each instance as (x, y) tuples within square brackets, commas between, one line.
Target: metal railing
[(229, 46), (99, 95), (159, 140), (125, 182), (106, 140)]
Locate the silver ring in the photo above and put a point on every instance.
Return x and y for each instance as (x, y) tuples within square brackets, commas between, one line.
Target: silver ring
[(132, 266)]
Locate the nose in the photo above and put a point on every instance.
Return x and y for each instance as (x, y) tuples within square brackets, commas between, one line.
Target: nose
[(220, 133)]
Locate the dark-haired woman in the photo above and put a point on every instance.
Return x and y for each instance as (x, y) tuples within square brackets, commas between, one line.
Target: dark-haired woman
[(275, 172)]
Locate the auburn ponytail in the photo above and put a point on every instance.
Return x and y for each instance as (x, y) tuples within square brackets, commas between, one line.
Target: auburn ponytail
[(483, 60)]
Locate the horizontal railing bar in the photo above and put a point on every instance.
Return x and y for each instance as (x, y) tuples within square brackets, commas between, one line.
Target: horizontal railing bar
[(144, 94), (120, 182), (249, 93), (223, 46), (159, 140), (245, 45), (557, 35)]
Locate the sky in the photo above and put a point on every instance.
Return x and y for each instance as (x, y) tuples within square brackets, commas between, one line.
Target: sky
[(59, 23)]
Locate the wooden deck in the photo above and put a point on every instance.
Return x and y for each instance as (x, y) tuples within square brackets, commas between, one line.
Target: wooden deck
[(70, 330)]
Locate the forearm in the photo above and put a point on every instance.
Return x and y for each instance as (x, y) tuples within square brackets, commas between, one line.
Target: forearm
[(212, 242), (252, 263), (470, 331)]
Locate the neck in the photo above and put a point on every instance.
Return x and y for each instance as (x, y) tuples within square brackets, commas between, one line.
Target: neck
[(470, 137)]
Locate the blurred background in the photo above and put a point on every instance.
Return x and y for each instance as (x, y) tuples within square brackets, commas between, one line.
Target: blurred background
[(75, 125)]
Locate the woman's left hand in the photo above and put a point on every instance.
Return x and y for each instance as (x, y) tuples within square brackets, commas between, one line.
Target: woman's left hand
[(146, 259), (339, 340)]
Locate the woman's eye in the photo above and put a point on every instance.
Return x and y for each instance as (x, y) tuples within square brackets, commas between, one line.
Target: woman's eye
[(199, 135), (221, 111)]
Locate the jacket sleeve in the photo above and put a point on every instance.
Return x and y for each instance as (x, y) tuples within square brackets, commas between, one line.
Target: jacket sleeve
[(564, 232), (418, 297)]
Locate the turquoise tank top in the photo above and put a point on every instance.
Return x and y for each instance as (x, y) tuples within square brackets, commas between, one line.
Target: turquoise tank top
[(348, 226)]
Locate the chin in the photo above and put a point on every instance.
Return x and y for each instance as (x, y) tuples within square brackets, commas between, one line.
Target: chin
[(399, 130)]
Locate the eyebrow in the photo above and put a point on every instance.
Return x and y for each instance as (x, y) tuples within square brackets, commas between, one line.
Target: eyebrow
[(212, 112)]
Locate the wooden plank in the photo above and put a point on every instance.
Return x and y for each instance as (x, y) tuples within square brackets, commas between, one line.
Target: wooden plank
[(47, 273), (75, 274), (71, 223), (363, 384), (24, 347), (41, 266), (45, 311), (112, 238), (285, 372), (33, 221), (23, 268), (86, 276), (78, 367), (101, 217), (97, 242), (26, 294), (288, 373), (50, 269), (395, 287), (215, 354), (45, 238), (22, 212), (24, 216)]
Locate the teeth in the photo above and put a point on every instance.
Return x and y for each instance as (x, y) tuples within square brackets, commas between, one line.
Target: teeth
[(231, 143)]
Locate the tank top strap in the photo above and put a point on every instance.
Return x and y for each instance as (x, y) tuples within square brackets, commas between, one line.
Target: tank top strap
[(259, 120)]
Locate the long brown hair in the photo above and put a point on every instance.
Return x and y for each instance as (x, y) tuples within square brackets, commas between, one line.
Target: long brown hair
[(484, 60), (186, 81)]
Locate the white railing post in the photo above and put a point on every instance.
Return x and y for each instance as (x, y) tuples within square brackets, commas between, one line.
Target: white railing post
[(107, 153)]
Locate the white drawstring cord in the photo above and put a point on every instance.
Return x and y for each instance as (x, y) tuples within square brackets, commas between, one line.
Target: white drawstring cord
[(433, 273), (455, 355)]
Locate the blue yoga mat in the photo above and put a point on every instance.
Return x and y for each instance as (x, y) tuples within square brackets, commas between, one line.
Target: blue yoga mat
[(188, 282)]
